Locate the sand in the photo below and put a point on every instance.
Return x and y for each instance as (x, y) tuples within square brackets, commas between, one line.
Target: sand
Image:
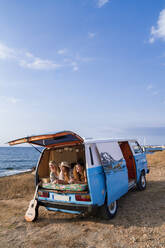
[(140, 221)]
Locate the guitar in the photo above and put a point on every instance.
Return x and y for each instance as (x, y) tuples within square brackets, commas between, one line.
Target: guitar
[(32, 209)]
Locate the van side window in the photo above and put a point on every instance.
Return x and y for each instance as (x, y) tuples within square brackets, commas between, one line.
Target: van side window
[(136, 147), (91, 156)]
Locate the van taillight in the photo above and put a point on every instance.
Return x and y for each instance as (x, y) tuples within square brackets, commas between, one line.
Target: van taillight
[(43, 194), (82, 197)]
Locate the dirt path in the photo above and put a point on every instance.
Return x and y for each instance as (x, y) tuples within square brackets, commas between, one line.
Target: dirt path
[(140, 221)]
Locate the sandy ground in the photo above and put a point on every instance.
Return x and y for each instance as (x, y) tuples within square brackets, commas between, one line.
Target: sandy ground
[(140, 221)]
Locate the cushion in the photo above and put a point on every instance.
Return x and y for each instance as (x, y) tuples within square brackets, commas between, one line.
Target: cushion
[(69, 187)]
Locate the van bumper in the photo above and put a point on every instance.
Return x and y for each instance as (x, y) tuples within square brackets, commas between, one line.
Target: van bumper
[(68, 206)]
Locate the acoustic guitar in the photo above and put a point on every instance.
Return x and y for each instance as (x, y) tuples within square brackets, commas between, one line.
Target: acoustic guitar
[(32, 209)]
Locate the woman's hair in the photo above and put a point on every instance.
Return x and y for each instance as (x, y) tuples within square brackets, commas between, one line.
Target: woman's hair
[(55, 165), (66, 174), (77, 176), (52, 162)]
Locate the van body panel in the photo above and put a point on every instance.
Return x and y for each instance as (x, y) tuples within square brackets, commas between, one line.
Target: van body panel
[(115, 170), (96, 185), (68, 198), (116, 182), (141, 164)]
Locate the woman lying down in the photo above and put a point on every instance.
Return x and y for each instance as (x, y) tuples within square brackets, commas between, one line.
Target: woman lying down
[(63, 174)]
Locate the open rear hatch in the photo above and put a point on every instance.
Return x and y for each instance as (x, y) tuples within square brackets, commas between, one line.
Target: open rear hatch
[(50, 140), (58, 145)]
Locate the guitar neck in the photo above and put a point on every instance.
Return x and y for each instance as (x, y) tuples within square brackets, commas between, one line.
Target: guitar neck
[(36, 191)]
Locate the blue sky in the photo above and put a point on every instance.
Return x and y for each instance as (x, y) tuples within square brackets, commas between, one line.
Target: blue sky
[(94, 67)]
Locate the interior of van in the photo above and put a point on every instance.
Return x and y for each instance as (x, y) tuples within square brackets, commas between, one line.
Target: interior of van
[(129, 158), (72, 154)]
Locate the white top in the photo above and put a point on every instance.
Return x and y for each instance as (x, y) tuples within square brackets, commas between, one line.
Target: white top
[(61, 176), (52, 177)]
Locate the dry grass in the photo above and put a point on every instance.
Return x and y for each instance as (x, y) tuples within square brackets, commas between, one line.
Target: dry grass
[(140, 221), (156, 160), (17, 186)]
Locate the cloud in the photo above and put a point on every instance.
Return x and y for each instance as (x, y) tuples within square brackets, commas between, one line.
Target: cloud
[(39, 64), (91, 35), (6, 52), (62, 51), (153, 91), (101, 3), (74, 66), (11, 99), (149, 87), (28, 60), (158, 32)]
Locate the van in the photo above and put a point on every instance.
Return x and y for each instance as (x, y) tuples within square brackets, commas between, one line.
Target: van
[(113, 167)]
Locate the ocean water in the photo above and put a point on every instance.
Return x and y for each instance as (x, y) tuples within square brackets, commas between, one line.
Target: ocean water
[(15, 160)]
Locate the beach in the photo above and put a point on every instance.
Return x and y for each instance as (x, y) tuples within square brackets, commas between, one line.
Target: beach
[(140, 221)]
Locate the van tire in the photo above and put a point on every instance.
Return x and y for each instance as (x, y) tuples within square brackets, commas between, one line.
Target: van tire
[(109, 212), (141, 185)]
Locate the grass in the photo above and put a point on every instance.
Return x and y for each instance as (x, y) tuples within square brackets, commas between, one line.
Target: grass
[(17, 186)]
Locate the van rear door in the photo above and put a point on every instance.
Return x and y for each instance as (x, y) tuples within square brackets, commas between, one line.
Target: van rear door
[(115, 170), (50, 140)]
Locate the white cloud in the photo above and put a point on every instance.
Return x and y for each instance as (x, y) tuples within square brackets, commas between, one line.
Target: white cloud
[(155, 93), (74, 66), (91, 35), (6, 52), (39, 64), (101, 3), (158, 32), (11, 100), (29, 55), (62, 51), (28, 60), (149, 87), (152, 90)]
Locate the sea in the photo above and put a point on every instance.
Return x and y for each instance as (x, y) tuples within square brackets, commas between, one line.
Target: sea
[(15, 160)]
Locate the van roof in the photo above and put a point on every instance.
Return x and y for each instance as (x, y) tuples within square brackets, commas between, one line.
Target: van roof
[(91, 141)]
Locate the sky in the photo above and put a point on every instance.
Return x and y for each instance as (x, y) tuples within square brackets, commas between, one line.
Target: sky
[(93, 67)]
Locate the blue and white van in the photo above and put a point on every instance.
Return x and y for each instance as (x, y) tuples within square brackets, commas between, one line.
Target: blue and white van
[(113, 167)]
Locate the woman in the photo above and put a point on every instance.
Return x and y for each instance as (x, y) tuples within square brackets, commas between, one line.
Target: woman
[(54, 171), (65, 174), (79, 174)]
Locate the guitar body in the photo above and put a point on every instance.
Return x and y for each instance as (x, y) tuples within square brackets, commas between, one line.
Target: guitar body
[(32, 212)]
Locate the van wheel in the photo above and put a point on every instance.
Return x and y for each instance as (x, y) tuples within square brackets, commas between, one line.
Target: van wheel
[(109, 212), (141, 185)]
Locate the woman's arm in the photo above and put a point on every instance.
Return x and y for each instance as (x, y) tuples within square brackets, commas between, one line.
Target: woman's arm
[(60, 181), (85, 176)]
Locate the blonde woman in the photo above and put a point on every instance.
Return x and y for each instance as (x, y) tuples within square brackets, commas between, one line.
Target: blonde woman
[(54, 171), (79, 174)]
